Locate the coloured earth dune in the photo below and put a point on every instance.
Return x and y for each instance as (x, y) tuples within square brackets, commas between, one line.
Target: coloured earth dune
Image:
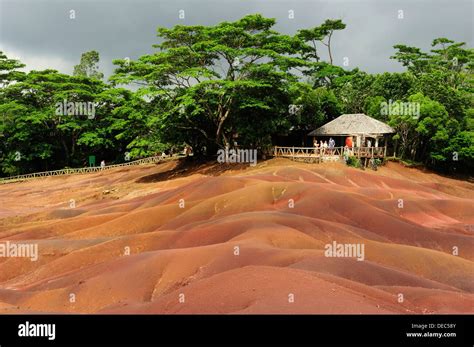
[(171, 238)]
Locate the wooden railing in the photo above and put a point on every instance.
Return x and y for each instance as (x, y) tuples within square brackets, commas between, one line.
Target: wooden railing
[(83, 170), (370, 152), (328, 153)]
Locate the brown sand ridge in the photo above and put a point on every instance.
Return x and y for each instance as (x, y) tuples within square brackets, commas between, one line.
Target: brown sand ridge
[(239, 245)]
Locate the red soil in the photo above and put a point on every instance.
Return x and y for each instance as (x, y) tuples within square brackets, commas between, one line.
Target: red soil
[(182, 260)]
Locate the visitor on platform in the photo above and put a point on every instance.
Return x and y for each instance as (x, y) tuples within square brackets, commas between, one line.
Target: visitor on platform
[(325, 147), (332, 143), (349, 141), (346, 153)]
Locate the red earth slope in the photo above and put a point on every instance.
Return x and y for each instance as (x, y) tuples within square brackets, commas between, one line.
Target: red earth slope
[(167, 239)]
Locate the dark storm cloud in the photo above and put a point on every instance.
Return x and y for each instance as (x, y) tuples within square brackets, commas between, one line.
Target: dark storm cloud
[(41, 33)]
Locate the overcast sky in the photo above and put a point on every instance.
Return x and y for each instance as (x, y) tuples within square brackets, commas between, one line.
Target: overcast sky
[(41, 34)]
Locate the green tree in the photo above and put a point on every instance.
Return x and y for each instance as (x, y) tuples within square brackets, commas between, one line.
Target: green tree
[(46, 138), (373, 108), (321, 73), (317, 106), (353, 89), (209, 75), (89, 66), (393, 86), (9, 70)]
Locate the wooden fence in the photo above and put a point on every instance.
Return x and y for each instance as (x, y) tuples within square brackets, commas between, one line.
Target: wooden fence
[(83, 170), (326, 154)]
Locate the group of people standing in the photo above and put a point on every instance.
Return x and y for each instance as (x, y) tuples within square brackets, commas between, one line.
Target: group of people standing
[(327, 147), (324, 147)]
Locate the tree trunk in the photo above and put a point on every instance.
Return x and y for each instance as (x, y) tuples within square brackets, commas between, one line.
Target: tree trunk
[(66, 150), (220, 129), (73, 145), (329, 48)]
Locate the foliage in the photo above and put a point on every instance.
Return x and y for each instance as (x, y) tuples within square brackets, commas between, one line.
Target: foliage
[(89, 66), (354, 162), (234, 84)]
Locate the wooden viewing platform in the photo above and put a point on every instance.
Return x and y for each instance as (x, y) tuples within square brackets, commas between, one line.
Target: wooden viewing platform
[(317, 154)]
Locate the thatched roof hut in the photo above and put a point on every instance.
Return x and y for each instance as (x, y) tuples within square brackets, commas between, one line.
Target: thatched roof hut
[(353, 124), (357, 126)]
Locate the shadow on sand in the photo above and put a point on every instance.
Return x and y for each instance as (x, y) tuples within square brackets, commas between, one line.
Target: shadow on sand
[(190, 166)]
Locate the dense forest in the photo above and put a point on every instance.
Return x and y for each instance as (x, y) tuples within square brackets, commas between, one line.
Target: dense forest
[(211, 86)]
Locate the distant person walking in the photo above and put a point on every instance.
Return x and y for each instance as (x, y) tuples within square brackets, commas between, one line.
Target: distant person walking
[(102, 164)]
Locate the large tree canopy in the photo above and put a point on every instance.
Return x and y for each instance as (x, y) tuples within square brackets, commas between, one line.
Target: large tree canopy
[(210, 76)]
